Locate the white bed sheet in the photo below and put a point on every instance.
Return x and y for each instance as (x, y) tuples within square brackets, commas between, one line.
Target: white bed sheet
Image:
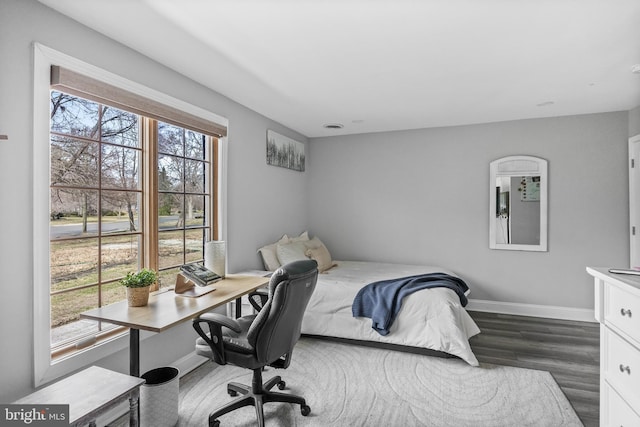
[(430, 318)]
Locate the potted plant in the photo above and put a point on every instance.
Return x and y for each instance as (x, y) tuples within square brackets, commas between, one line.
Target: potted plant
[(137, 285)]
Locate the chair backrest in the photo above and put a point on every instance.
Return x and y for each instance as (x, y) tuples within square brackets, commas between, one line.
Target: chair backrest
[(276, 329)]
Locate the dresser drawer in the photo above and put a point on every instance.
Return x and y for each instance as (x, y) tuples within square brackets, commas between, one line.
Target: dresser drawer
[(623, 311), (622, 367), (618, 412)]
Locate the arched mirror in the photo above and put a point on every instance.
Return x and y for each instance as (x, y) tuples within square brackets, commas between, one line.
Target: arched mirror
[(518, 204)]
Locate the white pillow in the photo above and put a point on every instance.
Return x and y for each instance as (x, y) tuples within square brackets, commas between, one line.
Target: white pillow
[(314, 243), (292, 251), (269, 255), (322, 256), (303, 237), (317, 251)]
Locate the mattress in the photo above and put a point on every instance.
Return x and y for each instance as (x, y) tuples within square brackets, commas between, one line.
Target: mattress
[(430, 318)]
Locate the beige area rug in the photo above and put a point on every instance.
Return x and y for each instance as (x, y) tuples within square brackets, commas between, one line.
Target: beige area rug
[(350, 385)]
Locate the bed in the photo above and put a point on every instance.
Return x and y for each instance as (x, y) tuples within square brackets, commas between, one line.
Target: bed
[(430, 319)]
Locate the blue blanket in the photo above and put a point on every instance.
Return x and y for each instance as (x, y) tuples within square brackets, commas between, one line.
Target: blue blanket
[(381, 301)]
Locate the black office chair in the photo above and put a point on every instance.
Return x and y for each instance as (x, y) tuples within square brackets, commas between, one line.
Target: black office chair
[(263, 339)]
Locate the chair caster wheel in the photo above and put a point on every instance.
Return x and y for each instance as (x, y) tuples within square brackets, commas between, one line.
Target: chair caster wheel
[(305, 410), (232, 393), (214, 423), (281, 385)]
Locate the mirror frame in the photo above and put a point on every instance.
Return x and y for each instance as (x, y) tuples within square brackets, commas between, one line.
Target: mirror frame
[(518, 166)]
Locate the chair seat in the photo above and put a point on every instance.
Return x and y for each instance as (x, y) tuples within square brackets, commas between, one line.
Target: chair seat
[(232, 340)]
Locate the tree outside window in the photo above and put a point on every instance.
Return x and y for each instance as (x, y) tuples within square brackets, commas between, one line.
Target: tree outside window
[(97, 227)]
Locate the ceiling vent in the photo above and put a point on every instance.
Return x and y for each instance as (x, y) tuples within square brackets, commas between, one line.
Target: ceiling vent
[(333, 126)]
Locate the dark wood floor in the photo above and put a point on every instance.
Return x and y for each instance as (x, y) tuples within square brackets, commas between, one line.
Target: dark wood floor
[(567, 349)]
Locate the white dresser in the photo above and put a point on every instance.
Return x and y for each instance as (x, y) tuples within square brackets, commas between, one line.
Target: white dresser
[(617, 308)]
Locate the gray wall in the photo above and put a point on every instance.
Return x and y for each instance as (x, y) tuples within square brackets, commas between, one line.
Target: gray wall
[(253, 218), (634, 122), (422, 196)]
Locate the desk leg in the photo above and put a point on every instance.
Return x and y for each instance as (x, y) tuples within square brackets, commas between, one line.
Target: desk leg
[(134, 408), (134, 352), (238, 308), (134, 371)]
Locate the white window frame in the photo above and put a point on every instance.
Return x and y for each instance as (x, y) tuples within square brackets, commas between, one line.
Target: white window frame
[(46, 370)]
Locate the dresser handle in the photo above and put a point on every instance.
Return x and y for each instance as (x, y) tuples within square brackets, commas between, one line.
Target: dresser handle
[(625, 368), (626, 312)]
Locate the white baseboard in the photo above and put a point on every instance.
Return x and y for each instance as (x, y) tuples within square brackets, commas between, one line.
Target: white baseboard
[(189, 362), (548, 311)]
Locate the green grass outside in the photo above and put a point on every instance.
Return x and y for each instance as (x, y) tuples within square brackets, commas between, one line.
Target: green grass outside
[(74, 264)]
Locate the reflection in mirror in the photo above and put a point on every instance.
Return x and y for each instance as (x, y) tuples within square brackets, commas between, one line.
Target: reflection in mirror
[(518, 211), (518, 200)]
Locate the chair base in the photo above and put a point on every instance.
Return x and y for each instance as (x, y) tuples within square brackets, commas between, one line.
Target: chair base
[(257, 395)]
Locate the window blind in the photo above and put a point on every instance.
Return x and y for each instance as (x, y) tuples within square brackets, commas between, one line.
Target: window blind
[(77, 84)]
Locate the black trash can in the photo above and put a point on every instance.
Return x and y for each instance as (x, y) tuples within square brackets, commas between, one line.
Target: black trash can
[(159, 397)]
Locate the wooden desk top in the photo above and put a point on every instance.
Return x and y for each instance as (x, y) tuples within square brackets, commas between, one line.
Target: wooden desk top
[(87, 392), (166, 309)]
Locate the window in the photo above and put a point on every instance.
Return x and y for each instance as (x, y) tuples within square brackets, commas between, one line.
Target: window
[(183, 197), (124, 177), (97, 232)]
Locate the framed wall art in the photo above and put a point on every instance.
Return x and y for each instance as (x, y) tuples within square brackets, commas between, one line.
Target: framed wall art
[(285, 152)]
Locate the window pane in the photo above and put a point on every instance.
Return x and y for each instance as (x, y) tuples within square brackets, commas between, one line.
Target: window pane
[(194, 245), (194, 176), (195, 210), (73, 330), (67, 306), (120, 127), (113, 292), (170, 248), (65, 313), (73, 213), (74, 116), (120, 211), (194, 145), (165, 206), (170, 139), (167, 278), (74, 162), (119, 256), (170, 210), (120, 167), (73, 263), (170, 173)]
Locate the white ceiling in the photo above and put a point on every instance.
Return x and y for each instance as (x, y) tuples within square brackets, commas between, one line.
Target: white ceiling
[(376, 65)]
